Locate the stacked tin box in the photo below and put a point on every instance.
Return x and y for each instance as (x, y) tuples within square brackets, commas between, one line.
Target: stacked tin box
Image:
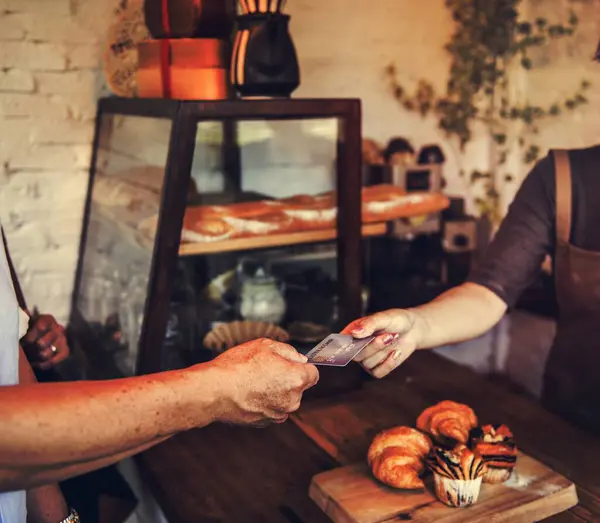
[(190, 55)]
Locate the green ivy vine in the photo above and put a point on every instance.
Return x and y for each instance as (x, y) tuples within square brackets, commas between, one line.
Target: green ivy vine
[(489, 40)]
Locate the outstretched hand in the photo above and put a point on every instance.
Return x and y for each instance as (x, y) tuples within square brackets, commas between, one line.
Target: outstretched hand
[(264, 381), (397, 339)]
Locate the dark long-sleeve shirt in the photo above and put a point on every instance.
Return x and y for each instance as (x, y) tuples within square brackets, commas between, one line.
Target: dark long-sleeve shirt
[(528, 232)]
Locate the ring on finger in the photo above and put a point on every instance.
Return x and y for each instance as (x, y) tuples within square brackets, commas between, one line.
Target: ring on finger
[(394, 359), (53, 349)]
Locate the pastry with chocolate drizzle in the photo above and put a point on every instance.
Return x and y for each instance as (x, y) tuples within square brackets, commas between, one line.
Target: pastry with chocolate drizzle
[(457, 475), (496, 445)]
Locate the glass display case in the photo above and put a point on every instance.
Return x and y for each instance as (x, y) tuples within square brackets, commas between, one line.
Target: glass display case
[(209, 223)]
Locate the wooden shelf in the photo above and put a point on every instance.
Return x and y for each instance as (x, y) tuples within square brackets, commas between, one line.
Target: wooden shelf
[(275, 240)]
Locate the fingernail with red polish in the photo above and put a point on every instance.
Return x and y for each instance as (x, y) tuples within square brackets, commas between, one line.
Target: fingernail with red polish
[(388, 339)]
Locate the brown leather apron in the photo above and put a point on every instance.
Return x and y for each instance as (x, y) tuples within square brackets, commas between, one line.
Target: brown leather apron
[(572, 376)]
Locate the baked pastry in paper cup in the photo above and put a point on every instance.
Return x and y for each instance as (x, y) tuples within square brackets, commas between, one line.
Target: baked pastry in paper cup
[(457, 475)]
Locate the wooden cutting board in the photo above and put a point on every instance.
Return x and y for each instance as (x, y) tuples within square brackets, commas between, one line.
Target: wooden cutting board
[(534, 492)]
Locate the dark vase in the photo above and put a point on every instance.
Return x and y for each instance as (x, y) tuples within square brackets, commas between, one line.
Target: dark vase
[(189, 18), (264, 61)]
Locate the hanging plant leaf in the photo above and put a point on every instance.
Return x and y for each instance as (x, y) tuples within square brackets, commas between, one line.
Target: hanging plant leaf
[(500, 139), (532, 154), (526, 63), (573, 20), (492, 193), (570, 104), (477, 175), (525, 28)]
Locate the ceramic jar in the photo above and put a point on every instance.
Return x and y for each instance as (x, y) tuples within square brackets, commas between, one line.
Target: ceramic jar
[(264, 61), (262, 299)]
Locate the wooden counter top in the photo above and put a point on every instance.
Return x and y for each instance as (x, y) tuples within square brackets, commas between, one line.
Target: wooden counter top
[(233, 474)]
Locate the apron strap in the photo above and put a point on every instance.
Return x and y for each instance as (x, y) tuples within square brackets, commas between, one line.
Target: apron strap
[(562, 167), (13, 275)]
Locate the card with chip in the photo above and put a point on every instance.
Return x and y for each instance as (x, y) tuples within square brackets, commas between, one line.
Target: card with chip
[(337, 350)]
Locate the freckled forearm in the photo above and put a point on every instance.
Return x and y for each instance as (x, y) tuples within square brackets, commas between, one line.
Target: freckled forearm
[(15, 479), (50, 430), (73, 422)]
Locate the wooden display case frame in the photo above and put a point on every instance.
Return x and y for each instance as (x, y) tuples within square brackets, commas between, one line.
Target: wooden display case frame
[(185, 115)]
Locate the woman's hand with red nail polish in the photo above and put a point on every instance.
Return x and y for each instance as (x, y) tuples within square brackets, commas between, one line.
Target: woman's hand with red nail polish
[(397, 336)]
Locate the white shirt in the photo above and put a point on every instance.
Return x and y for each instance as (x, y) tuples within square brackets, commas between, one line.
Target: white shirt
[(13, 508)]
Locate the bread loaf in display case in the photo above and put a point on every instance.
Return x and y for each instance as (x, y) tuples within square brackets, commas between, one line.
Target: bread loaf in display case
[(304, 213)]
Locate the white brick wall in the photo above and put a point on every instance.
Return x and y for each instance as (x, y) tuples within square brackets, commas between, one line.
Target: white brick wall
[(16, 81), (43, 7), (50, 79)]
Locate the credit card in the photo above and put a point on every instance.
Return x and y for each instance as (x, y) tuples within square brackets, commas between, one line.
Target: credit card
[(337, 350)]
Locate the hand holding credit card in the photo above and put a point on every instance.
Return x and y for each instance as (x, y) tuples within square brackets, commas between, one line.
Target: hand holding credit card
[(337, 350)]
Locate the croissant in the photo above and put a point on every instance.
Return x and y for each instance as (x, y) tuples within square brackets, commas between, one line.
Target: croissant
[(448, 422), (396, 457)]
